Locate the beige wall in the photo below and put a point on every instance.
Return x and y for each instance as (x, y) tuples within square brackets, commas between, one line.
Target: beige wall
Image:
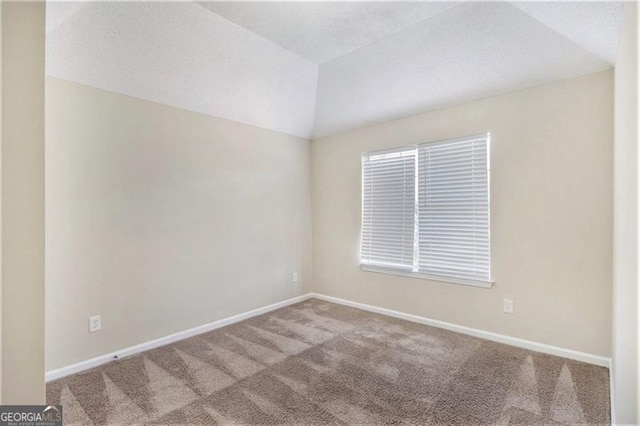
[(160, 219), (551, 215), (626, 160), (22, 202)]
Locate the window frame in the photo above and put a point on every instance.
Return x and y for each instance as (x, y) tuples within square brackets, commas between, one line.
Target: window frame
[(402, 271)]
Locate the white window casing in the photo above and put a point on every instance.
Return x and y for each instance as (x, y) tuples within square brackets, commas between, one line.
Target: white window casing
[(425, 211)]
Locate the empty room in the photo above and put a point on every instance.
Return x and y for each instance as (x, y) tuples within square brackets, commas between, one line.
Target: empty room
[(319, 213)]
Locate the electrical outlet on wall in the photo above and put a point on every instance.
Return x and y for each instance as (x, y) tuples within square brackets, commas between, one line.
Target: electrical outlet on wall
[(294, 277), (95, 324), (507, 306)]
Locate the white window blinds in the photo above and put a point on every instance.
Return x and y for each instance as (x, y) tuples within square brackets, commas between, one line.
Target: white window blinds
[(388, 208), (425, 209), (453, 209)]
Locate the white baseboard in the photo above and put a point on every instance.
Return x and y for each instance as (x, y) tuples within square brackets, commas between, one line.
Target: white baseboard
[(512, 341), (103, 359), (494, 337)]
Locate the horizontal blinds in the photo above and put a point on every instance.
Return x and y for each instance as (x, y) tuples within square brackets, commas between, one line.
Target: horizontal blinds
[(388, 208), (453, 209)]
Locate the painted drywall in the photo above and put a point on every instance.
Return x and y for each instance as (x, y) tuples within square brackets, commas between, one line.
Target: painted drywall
[(181, 54), (23, 202), (551, 215), (257, 62), (625, 263), (469, 52), (322, 31), (161, 219), (594, 26)]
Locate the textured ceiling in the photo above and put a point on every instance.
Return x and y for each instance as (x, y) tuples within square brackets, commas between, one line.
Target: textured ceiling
[(60, 12), (469, 52), (321, 31), (179, 54), (594, 26), (316, 68)]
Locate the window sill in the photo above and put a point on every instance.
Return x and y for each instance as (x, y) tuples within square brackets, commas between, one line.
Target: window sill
[(410, 274)]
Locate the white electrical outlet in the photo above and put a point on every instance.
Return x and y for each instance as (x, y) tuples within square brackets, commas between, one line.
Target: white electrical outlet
[(95, 324), (507, 306), (294, 277)]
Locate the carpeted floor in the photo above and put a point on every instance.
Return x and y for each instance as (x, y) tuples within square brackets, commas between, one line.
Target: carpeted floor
[(320, 363)]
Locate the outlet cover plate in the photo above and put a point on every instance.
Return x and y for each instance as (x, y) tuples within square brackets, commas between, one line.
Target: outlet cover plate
[(95, 324)]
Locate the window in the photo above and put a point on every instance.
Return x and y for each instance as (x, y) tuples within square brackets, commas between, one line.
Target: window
[(425, 210)]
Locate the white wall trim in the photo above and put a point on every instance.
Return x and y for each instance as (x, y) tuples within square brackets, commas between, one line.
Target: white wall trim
[(494, 337), (612, 398), (132, 350)]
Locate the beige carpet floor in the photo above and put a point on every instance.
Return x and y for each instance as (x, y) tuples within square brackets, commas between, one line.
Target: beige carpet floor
[(320, 363)]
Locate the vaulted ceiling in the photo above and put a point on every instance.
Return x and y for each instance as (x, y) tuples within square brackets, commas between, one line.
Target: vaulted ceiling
[(322, 31), (315, 68)]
